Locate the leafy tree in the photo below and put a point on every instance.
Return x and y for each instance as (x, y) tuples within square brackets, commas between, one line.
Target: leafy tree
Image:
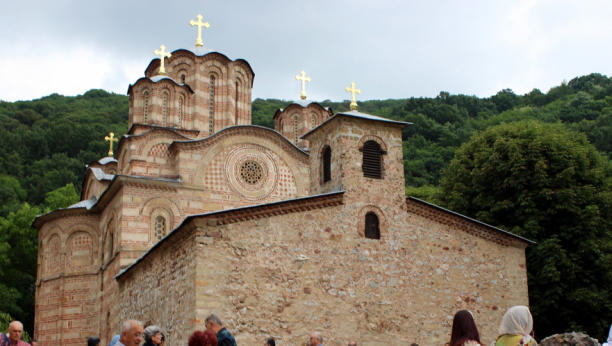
[(18, 253), (548, 184), (61, 198)]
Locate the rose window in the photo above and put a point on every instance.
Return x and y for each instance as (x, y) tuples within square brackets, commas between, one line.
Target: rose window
[(251, 172)]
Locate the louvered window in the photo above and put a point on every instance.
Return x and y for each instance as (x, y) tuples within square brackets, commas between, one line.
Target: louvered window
[(372, 160), (326, 164), (372, 228), (313, 119)]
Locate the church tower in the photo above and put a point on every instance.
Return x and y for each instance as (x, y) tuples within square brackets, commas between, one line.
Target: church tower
[(300, 117), (193, 89)]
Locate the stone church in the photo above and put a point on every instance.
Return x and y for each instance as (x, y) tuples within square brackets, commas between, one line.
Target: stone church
[(279, 232)]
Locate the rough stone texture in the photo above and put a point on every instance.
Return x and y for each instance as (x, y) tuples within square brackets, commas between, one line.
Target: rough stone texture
[(287, 269), (569, 339), (258, 238)]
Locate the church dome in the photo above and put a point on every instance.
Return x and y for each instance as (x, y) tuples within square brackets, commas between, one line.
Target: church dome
[(107, 160)]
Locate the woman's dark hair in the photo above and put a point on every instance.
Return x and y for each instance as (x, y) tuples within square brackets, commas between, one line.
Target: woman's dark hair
[(202, 338), (464, 329), (270, 342), (93, 341)]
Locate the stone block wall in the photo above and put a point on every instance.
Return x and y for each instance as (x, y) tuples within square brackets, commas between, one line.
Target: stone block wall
[(285, 274), (161, 289)]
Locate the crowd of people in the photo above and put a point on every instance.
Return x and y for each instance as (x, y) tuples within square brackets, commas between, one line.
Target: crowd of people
[(516, 330)]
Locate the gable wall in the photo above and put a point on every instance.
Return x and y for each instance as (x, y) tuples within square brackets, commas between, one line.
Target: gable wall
[(403, 288)]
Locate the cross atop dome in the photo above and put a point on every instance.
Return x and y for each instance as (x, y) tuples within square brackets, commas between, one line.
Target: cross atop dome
[(199, 24)]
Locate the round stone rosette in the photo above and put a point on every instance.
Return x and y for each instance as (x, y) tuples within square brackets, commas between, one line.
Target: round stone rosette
[(251, 172)]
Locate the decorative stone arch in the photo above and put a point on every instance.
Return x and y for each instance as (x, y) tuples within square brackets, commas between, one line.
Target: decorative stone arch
[(383, 145), (219, 72), (87, 229), (110, 226), (156, 212), (90, 182), (80, 251), (154, 140), (382, 218), (155, 202), (124, 161), (53, 254), (160, 207), (55, 231), (239, 139)]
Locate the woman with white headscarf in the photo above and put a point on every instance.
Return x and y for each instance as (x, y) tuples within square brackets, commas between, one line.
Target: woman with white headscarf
[(609, 342), (515, 328)]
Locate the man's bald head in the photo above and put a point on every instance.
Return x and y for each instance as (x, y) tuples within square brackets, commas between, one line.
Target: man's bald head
[(15, 331)]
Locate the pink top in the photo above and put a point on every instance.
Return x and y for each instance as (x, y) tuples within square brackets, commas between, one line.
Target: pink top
[(20, 343)]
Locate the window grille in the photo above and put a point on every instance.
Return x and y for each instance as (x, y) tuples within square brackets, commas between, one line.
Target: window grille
[(326, 164), (164, 108), (372, 226), (372, 160), (237, 88), (180, 110), (295, 129), (146, 106), (160, 228), (314, 121), (182, 79), (211, 106)]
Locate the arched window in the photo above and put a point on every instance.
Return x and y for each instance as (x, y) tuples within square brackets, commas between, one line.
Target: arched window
[(164, 107), (313, 119), (326, 164), (237, 88), (372, 226), (180, 111), (295, 128), (372, 160), (160, 228), (211, 105), (146, 106), (183, 79)]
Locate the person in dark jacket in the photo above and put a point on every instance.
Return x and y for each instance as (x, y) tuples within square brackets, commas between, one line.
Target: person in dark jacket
[(152, 336), (93, 341), (224, 337)]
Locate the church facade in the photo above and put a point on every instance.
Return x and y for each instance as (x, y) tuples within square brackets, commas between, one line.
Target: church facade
[(279, 232)]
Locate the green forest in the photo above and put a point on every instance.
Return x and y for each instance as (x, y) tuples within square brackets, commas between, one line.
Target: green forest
[(536, 164)]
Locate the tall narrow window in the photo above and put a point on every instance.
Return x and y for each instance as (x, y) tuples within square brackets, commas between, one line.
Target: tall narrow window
[(372, 160), (164, 108), (237, 88), (372, 226), (211, 105), (313, 119), (180, 111), (295, 128), (146, 106), (160, 228), (326, 164), (182, 79)]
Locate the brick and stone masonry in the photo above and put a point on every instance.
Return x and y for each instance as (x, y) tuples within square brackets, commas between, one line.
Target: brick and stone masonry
[(203, 213)]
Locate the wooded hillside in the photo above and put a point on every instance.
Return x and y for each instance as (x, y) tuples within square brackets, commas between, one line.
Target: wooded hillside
[(46, 144)]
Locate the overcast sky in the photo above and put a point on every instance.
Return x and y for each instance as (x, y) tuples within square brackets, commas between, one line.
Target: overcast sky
[(390, 49)]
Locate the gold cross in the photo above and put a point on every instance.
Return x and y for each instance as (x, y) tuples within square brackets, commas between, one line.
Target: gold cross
[(200, 25), (111, 139), (352, 90), (304, 79), (163, 54)]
